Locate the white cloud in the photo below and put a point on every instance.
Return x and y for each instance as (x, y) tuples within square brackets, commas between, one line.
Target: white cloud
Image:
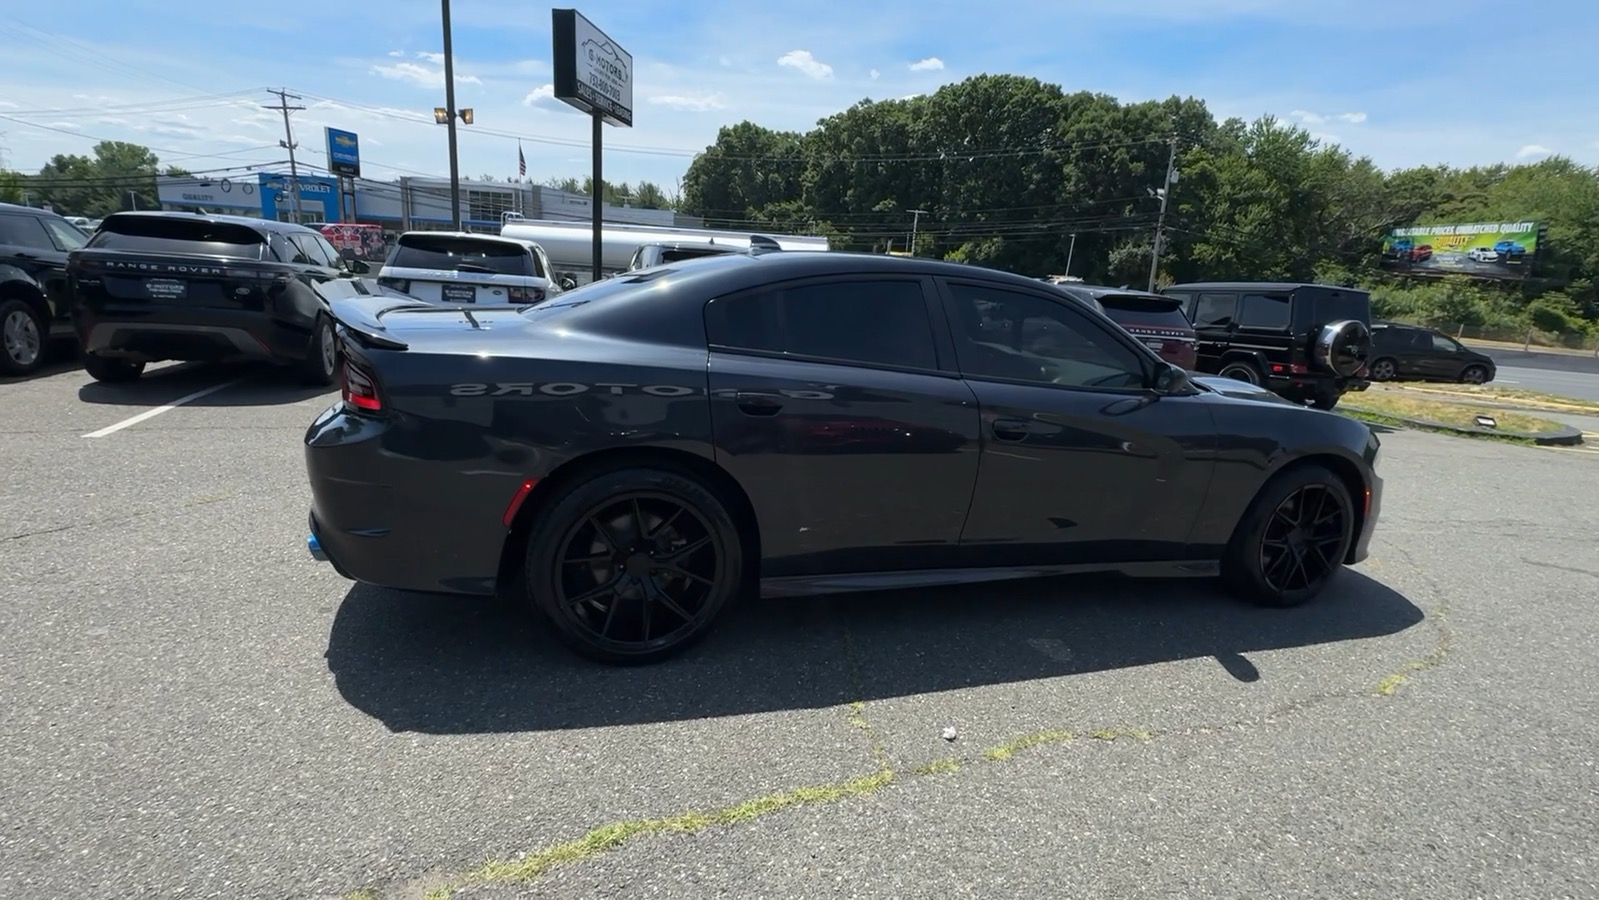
[(7, 104), (1531, 150), (725, 62), (70, 126), (875, 74), (1309, 118), (805, 62), (690, 102), (543, 95), (435, 58), (397, 53), (420, 76), (1324, 137), (930, 64)]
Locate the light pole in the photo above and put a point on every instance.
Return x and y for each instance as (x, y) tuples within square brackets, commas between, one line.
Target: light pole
[(446, 115), (1069, 251), (916, 221)]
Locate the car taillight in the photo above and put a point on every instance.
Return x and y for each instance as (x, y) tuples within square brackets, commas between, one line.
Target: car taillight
[(398, 284), (527, 295), (1291, 369), (360, 390)]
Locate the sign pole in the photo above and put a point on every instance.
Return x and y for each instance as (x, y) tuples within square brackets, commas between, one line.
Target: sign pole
[(597, 200)]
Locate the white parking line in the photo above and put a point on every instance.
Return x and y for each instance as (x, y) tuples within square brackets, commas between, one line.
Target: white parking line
[(152, 413)]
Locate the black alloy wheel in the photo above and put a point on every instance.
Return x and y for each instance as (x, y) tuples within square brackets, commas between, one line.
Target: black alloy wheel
[(634, 566), (1384, 370), (1293, 538), (1474, 375)]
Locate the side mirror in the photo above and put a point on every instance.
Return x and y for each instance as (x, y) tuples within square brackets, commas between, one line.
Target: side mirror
[(1173, 381), (357, 266)]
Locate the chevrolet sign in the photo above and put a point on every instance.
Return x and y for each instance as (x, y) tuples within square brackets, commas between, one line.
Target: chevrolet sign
[(344, 153)]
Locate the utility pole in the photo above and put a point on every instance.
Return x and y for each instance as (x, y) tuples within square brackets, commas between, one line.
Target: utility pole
[(449, 104), (288, 144), (1160, 221), (1069, 251), (916, 221)]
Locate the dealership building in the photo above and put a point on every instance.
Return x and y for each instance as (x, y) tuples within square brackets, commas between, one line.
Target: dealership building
[(409, 204)]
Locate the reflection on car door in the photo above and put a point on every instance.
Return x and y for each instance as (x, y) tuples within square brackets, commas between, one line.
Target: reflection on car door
[(828, 406), (1080, 464)]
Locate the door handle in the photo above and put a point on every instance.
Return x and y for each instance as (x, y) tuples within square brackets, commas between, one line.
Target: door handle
[(1009, 429), (757, 404)]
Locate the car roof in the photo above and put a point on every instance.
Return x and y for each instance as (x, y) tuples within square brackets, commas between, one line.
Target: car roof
[(29, 210), (1259, 286), (695, 245), (1100, 291), (264, 226)]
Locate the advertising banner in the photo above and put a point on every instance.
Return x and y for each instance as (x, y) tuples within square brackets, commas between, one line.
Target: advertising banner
[(1502, 250), (592, 72), (344, 152)]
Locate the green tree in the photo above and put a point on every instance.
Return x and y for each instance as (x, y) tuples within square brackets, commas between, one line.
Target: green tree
[(118, 176)]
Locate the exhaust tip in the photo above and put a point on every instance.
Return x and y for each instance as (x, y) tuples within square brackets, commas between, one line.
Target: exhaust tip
[(314, 547)]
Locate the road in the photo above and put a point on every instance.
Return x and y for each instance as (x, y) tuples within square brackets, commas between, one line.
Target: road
[(192, 707), (1562, 374)]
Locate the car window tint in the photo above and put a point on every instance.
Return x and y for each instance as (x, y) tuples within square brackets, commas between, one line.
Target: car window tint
[(1008, 334), (879, 322), (1149, 312), (1444, 345), (170, 234), (448, 252), (24, 231), (328, 250), (309, 253), (1263, 311), (67, 238), (1214, 310)]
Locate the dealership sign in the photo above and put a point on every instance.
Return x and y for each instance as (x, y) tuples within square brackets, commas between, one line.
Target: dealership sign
[(592, 73), (1498, 250), (344, 153)]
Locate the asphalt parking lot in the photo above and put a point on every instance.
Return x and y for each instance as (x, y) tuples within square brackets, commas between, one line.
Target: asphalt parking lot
[(191, 707)]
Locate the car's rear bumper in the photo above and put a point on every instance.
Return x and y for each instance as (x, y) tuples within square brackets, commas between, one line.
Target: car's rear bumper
[(382, 515), (193, 335)]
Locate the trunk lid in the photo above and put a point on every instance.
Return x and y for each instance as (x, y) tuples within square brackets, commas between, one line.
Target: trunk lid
[(147, 261)]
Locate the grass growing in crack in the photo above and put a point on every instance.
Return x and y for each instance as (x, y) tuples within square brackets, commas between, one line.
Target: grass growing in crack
[(1025, 742), (938, 767), (1394, 681), (609, 837)]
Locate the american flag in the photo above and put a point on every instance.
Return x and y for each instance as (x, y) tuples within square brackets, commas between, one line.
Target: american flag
[(521, 161)]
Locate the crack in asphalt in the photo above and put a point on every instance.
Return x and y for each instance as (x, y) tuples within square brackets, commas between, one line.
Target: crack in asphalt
[(120, 520), (612, 836)]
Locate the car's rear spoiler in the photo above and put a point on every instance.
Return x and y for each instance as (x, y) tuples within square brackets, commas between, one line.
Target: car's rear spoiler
[(362, 317)]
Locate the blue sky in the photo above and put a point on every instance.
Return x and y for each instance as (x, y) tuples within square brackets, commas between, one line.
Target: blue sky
[(1465, 82)]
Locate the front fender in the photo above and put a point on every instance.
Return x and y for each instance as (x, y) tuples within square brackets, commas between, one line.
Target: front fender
[(10, 274)]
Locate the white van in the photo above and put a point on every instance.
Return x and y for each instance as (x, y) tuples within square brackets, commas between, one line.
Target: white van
[(453, 267)]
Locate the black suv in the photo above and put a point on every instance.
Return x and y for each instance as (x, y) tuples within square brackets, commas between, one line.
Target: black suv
[(1307, 342), (163, 285), (1410, 351), (34, 301)]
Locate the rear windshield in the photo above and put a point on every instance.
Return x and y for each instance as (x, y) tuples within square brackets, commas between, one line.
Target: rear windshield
[(678, 254), (424, 251), (1334, 306), (1128, 309), (153, 234)]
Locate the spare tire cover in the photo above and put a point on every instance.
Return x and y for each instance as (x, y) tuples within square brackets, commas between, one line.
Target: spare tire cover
[(1343, 347)]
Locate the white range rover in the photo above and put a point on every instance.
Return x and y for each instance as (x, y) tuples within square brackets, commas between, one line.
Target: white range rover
[(453, 267)]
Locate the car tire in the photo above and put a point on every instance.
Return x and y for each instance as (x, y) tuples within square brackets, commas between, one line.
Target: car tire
[(1384, 369), (111, 370), (1242, 371), (24, 338), (321, 364), (649, 596), (1262, 563), (1474, 375)]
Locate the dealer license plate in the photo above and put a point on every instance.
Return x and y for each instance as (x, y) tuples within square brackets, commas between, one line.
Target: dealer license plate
[(459, 293), (166, 288)]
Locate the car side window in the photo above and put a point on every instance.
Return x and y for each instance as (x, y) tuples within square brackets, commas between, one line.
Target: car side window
[(25, 232), (307, 253), (1017, 336), (1444, 344), (1264, 311), (65, 237), (326, 246), (1214, 310), (877, 322)]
